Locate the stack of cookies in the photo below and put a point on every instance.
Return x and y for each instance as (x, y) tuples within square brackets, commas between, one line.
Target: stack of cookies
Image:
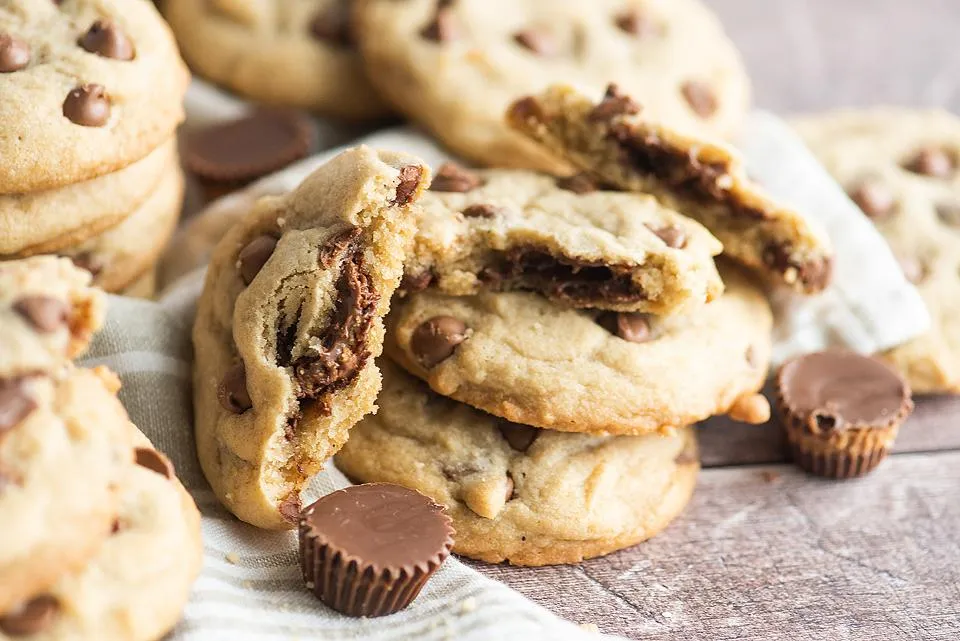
[(99, 539), (92, 95)]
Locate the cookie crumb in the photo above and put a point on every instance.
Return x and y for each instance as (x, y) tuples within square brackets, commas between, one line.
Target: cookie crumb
[(590, 627), (769, 476), (468, 605), (232, 558)]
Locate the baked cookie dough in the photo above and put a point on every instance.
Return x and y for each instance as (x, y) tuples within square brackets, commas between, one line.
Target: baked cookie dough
[(292, 53), (516, 493), (619, 143), (88, 86), (518, 356), (455, 66), (902, 167), (505, 230), (289, 323)]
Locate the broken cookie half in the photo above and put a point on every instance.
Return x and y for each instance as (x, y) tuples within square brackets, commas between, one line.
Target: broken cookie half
[(613, 142), (289, 324), (575, 244)]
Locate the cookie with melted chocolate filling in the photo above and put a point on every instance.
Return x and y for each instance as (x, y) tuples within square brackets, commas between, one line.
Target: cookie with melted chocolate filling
[(289, 323), (509, 230), (615, 141)]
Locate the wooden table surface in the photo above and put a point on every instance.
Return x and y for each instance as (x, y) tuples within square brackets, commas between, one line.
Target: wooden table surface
[(764, 552)]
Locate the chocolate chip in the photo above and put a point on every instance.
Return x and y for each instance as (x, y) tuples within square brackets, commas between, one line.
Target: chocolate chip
[(481, 211), (632, 327), (153, 460), (409, 180), (412, 283), (614, 104), (580, 183), (332, 25), (875, 199), (87, 106), (435, 340), (949, 214), (14, 53), (451, 177), (700, 97), (508, 492), (520, 437), (105, 38), (539, 42), (32, 617), (46, 314), (672, 236), (89, 261), (255, 255), (633, 22), (15, 403), (931, 161), (290, 507), (232, 391), (444, 26), (913, 269), (527, 109)]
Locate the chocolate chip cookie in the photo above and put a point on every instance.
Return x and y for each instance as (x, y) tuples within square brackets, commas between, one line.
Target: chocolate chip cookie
[(516, 493), (902, 167), (506, 230), (289, 323), (518, 356), (88, 86), (455, 65), (294, 53), (619, 142)]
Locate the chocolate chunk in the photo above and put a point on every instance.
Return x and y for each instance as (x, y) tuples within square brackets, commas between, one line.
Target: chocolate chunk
[(89, 261), (32, 617), (368, 550), (580, 183), (537, 41), (673, 237), (481, 211), (451, 177), (232, 393), (949, 214), (875, 199), (332, 25), (701, 98), (238, 152), (290, 507), (520, 437), (527, 109), (614, 103), (14, 53), (105, 38), (153, 460), (436, 339), (44, 313), (815, 274), (933, 162), (413, 283), (636, 24), (444, 26), (87, 106), (16, 403), (840, 390), (409, 180), (632, 327), (254, 256), (913, 268)]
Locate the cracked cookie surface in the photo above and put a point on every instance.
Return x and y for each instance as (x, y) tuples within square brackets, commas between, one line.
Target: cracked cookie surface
[(504, 230), (620, 143), (518, 356), (289, 323), (516, 493)]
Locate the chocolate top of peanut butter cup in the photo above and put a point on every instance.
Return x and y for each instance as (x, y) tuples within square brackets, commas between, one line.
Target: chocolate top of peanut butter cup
[(838, 389)]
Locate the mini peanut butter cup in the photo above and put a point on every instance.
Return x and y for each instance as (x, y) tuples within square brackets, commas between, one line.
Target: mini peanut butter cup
[(368, 550), (841, 411)]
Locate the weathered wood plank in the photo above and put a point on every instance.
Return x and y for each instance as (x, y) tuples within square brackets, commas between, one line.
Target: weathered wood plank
[(769, 554)]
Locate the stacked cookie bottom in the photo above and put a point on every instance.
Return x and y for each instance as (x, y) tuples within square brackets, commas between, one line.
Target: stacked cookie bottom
[(114, 226)]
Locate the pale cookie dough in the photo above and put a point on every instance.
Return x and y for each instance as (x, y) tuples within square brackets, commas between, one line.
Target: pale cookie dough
[(48, 314), (47, 221), (88, 86), (295, 53), (516, 493), (902, 167), (520, 357), (289, 323), (455, 66), (64, 443), (136, 586), (121, 255), (505, 230), (621, 143)]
